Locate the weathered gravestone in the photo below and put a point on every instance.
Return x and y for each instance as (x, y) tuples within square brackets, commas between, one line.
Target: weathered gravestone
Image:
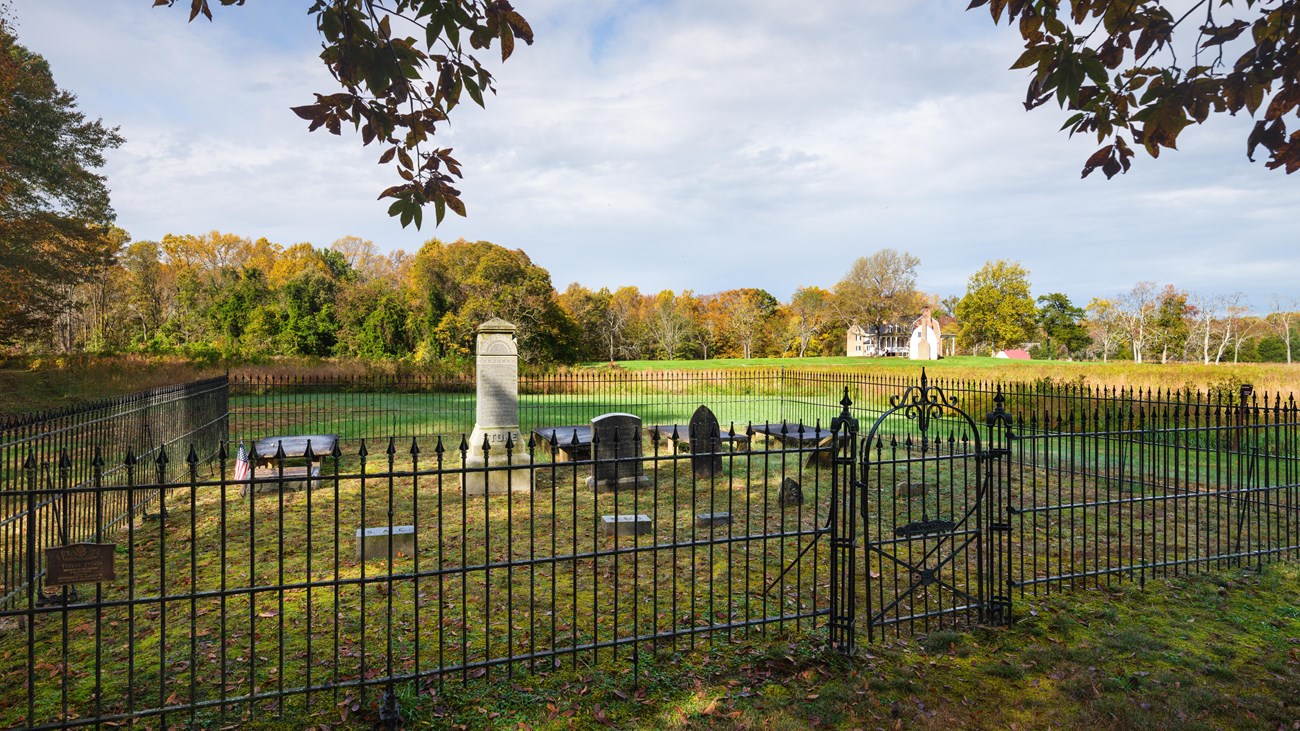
[(616, 449), (706, 440), (496, 416), (909, 489), (626, 525), (790, 493), (708, 520)]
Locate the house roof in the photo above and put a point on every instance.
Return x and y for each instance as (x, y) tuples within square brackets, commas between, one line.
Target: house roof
[(1015, 354)]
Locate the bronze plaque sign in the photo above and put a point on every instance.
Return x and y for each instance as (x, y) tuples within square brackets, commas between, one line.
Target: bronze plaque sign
[(79, 563)]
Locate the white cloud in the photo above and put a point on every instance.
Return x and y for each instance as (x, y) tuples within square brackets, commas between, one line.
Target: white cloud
[(682, 145)]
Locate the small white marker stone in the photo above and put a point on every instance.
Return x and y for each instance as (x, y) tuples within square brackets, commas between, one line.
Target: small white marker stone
[(626, 525), (373, 542)]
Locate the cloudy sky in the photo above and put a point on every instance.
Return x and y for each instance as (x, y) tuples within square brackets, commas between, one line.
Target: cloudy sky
[(681, 144)]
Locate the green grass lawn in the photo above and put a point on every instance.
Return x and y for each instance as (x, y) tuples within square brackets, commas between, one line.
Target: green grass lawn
[(278, 599), (356, 415), (1179, 655), (1212, 651)]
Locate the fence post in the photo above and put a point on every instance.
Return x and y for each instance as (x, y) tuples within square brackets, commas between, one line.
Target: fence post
[(843, 526), (996, 509)]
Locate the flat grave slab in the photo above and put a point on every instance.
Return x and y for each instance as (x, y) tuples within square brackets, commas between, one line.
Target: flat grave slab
[(373, 542), (625, 525)]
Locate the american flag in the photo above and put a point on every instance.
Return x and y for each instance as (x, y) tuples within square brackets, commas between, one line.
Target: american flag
[(241, 464)]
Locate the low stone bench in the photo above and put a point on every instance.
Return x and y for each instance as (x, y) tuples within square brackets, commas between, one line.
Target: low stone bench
[(270, 480)]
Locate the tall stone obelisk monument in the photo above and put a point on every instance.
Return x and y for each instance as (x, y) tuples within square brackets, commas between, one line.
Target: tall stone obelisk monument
[(496, 416)]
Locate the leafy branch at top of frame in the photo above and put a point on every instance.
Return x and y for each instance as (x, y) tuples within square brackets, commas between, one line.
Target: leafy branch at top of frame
[(1122, 79), (397, 89)]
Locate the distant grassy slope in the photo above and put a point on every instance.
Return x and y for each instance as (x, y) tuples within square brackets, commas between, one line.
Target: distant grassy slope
[(27, 385), (52, 383), (1271, 377)]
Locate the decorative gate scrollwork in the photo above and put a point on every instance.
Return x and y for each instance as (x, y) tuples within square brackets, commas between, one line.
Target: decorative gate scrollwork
[(930, 485)]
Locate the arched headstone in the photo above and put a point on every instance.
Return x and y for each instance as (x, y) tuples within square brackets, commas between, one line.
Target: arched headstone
[(706, 440), (616, 450)]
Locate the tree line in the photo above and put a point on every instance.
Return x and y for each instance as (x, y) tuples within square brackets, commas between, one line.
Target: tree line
[(74, 283), (219, 295)]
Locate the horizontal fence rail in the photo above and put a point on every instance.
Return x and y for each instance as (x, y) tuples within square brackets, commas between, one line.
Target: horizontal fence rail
[(245, 593), (79, 447), (377, 574)]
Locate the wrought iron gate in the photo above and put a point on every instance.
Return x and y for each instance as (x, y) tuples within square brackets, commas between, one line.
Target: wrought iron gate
[(931, 487)]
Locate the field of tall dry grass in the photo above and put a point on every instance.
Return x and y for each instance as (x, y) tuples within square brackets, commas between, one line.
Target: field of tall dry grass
[(29, 384)]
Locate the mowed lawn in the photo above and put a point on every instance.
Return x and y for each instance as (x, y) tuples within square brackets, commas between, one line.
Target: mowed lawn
[(263, 594)]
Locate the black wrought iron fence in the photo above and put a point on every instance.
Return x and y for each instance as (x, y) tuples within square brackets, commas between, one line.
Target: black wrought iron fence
[(263, 594), (58, 451), (288, 590), (1134, 495)]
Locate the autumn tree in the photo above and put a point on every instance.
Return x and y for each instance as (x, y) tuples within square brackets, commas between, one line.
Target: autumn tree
[(712, 325), (1205, 312), (669, 324), (1105, 325), (147, 294), (747, 314), (1142, 71), (303, 258), (455, 287), (809, 311), (361, 257), (55, 215), (878, 290), (627, 322), (997, 310), (397, 88)]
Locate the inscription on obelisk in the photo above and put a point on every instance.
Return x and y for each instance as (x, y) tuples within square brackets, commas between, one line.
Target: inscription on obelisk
[(496, 416)]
